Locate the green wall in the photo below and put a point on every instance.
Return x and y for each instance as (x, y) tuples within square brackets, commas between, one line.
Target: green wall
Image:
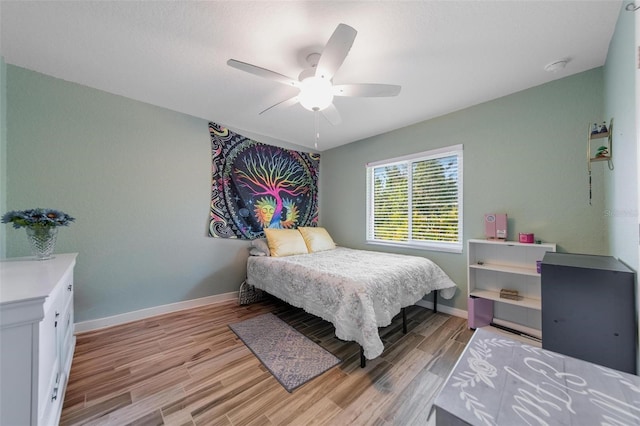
[(621, 201), (3, 148), (621, 103), (136, 177), (524, 154)]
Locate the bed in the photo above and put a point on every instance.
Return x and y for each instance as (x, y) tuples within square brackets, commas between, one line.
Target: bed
[(356, 290)]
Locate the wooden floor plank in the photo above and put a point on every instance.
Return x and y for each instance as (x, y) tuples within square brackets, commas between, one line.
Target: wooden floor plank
[(188, 368), (372, 403), (287, 410), (140, 411)]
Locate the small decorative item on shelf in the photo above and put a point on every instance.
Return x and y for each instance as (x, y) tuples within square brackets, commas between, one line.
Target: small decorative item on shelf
[(41, 226), (599, 128), (603, 127), (602, 152), (525, 237), (509, 294)]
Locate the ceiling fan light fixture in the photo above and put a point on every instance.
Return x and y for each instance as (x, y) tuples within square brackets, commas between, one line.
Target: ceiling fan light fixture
[(316, 93)]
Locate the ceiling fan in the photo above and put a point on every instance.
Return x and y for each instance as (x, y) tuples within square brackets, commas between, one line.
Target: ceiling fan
[(316, 82)]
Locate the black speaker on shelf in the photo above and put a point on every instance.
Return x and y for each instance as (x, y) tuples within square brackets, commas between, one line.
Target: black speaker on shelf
[(589, 309)]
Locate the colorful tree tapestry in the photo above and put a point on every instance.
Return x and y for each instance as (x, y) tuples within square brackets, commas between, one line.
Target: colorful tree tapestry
[(256, 186)]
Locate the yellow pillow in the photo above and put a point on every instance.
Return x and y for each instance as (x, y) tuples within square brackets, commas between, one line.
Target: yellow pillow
[(317, 239), (285, 242)]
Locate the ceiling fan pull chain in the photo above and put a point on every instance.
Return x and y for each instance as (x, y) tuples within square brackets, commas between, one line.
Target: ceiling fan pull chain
[(316, 119)]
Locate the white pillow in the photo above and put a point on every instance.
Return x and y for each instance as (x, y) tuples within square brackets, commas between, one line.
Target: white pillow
[(260, 244), (255, 252)]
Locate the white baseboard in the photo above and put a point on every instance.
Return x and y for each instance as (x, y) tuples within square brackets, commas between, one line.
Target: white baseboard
[(443, 308), (96, 324), (91, 325)]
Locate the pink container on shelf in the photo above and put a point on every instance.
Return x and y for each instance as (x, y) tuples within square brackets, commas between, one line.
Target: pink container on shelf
[(480, 312), (526, 238)]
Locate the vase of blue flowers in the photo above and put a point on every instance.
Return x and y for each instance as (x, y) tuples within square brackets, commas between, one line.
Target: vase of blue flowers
[(41, 226)]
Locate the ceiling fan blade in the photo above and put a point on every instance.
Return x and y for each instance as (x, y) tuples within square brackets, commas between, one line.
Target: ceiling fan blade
[(262, 72), (332, 115), (286, 103), (335, 51), (366, 90)]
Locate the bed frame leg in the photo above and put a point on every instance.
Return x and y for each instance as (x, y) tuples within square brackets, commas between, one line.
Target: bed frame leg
[(435, 301), (404, 321), (363, 360)]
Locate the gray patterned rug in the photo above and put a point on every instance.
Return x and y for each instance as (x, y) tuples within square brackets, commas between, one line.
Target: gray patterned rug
[(291, 357)]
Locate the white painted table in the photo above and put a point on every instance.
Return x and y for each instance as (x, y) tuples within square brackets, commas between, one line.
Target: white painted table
[(501, 381)]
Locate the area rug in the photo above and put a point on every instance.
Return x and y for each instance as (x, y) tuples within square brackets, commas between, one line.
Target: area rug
[(291, 357)]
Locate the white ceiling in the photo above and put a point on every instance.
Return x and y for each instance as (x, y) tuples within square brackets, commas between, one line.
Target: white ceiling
[(446, 55)]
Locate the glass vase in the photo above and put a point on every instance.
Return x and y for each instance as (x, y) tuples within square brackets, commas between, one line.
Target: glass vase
[(42, 240)]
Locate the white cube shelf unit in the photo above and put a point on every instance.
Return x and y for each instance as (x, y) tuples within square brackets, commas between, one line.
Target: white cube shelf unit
[(494, 265)]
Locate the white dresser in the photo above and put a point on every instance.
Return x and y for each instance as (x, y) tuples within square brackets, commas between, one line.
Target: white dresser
[(36, 338)]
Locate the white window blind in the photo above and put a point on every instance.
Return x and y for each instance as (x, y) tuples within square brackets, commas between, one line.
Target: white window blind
[(417, 200)]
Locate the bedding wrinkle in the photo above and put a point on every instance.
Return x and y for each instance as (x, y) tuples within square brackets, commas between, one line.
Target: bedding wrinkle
[(358, 291)]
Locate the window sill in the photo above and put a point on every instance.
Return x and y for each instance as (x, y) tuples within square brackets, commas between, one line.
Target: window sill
[(444, 247)]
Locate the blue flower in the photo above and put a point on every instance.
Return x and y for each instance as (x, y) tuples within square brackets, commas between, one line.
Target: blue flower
[(37, 218)]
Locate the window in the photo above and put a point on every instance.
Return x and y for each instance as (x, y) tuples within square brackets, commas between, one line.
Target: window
[(416, 201)]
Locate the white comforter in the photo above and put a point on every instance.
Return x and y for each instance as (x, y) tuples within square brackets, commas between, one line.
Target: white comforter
[(356, 290)]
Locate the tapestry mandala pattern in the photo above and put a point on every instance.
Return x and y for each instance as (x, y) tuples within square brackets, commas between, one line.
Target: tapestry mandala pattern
[(256, 186)]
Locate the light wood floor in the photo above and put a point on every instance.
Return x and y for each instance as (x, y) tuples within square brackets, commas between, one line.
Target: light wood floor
[(189, 368)]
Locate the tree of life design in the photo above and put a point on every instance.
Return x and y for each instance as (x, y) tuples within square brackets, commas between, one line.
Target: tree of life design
[(274, 176)]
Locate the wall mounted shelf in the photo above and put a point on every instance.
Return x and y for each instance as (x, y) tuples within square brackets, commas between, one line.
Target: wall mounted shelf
[(603, 150), (599, 148)]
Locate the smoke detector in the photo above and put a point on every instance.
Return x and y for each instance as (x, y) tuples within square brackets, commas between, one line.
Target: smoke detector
[(556, 66)]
